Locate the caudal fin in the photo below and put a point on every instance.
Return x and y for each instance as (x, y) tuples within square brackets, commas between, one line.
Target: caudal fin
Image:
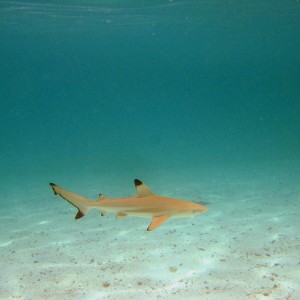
[(81, 203)]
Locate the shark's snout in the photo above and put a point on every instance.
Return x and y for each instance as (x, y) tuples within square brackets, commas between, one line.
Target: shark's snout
[(199, 209)]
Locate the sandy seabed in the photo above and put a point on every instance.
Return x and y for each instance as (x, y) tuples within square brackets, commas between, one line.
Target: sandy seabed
[(247, 246)]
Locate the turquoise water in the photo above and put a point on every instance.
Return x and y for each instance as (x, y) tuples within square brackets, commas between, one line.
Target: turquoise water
[(160, 84), (199, 99)]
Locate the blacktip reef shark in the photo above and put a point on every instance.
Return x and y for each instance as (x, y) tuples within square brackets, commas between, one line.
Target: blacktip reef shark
[(144, 204)]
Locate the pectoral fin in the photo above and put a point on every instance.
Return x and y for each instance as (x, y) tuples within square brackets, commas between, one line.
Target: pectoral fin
[(157, 221)]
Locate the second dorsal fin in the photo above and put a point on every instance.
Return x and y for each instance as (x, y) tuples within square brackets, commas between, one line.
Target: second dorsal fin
[(101, 197)]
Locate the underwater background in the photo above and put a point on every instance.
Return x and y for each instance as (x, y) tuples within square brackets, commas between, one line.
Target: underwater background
[(189, 94), (130, 85)]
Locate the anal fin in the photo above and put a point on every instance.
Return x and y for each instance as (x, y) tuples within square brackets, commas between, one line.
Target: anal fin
[(120, 215), (157, 221)]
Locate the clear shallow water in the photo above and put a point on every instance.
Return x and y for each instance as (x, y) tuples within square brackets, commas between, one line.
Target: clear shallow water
[(138, 85), (198, 98)]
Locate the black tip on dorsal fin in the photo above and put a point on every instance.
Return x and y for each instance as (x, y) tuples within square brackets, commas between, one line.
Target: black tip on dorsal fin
[(141, 189), (137, 182)]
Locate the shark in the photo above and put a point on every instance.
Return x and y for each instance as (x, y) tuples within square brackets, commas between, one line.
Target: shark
[(145, 204)]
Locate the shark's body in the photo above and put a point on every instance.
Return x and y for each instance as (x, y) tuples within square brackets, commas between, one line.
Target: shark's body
[(144, 204)]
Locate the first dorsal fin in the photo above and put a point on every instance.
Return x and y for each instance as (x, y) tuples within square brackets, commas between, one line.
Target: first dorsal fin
[(141, 189)]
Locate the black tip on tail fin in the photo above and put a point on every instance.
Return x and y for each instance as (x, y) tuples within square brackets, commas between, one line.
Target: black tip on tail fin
[(77, 201), (53, 185), (79, 215)]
